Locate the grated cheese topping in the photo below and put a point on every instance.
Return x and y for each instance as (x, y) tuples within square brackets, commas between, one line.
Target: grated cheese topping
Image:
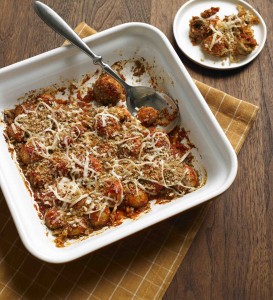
[(84, 162)]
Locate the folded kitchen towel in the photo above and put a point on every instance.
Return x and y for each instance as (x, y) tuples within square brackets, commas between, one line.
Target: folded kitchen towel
[(138, 267)]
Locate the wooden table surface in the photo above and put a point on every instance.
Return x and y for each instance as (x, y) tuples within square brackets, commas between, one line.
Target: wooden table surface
[(231, 257)]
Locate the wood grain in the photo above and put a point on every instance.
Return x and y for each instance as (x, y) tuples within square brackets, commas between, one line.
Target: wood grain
[(231, 257)]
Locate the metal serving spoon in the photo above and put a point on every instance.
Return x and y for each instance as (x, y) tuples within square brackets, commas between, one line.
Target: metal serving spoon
[(136, 96)]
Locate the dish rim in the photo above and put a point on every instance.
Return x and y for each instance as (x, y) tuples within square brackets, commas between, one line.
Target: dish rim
[(66, 256), (205, 64)]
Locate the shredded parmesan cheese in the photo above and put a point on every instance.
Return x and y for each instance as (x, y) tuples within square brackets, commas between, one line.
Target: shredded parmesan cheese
[(83, 162)]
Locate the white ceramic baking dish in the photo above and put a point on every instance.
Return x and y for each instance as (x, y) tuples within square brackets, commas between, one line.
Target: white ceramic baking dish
[(121, 42)]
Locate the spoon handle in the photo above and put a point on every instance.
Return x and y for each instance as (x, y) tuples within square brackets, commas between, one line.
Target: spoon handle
[(53, 20)]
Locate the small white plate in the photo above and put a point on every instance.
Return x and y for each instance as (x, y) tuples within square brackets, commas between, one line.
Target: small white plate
[(195, 53)]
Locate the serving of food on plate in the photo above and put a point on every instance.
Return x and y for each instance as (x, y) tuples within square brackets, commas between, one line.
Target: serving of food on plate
[(231, 37), (225, 36)]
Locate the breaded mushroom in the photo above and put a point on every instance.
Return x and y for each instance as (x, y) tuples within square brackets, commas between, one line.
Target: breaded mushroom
[(147, 115), (107, 91)]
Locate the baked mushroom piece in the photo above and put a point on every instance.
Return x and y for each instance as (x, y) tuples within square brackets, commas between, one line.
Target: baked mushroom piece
[(218, 48), (39, 174), (209, 12), (190, 178), (54, 218), (107, 125), (15, 133), (100, 218), (199, 30), (28, 153), (147, 115), (107, 91), (130, 147), (245, 44), (135, 197)]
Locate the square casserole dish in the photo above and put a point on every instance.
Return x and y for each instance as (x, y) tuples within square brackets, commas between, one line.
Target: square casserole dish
[(125, 41)]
